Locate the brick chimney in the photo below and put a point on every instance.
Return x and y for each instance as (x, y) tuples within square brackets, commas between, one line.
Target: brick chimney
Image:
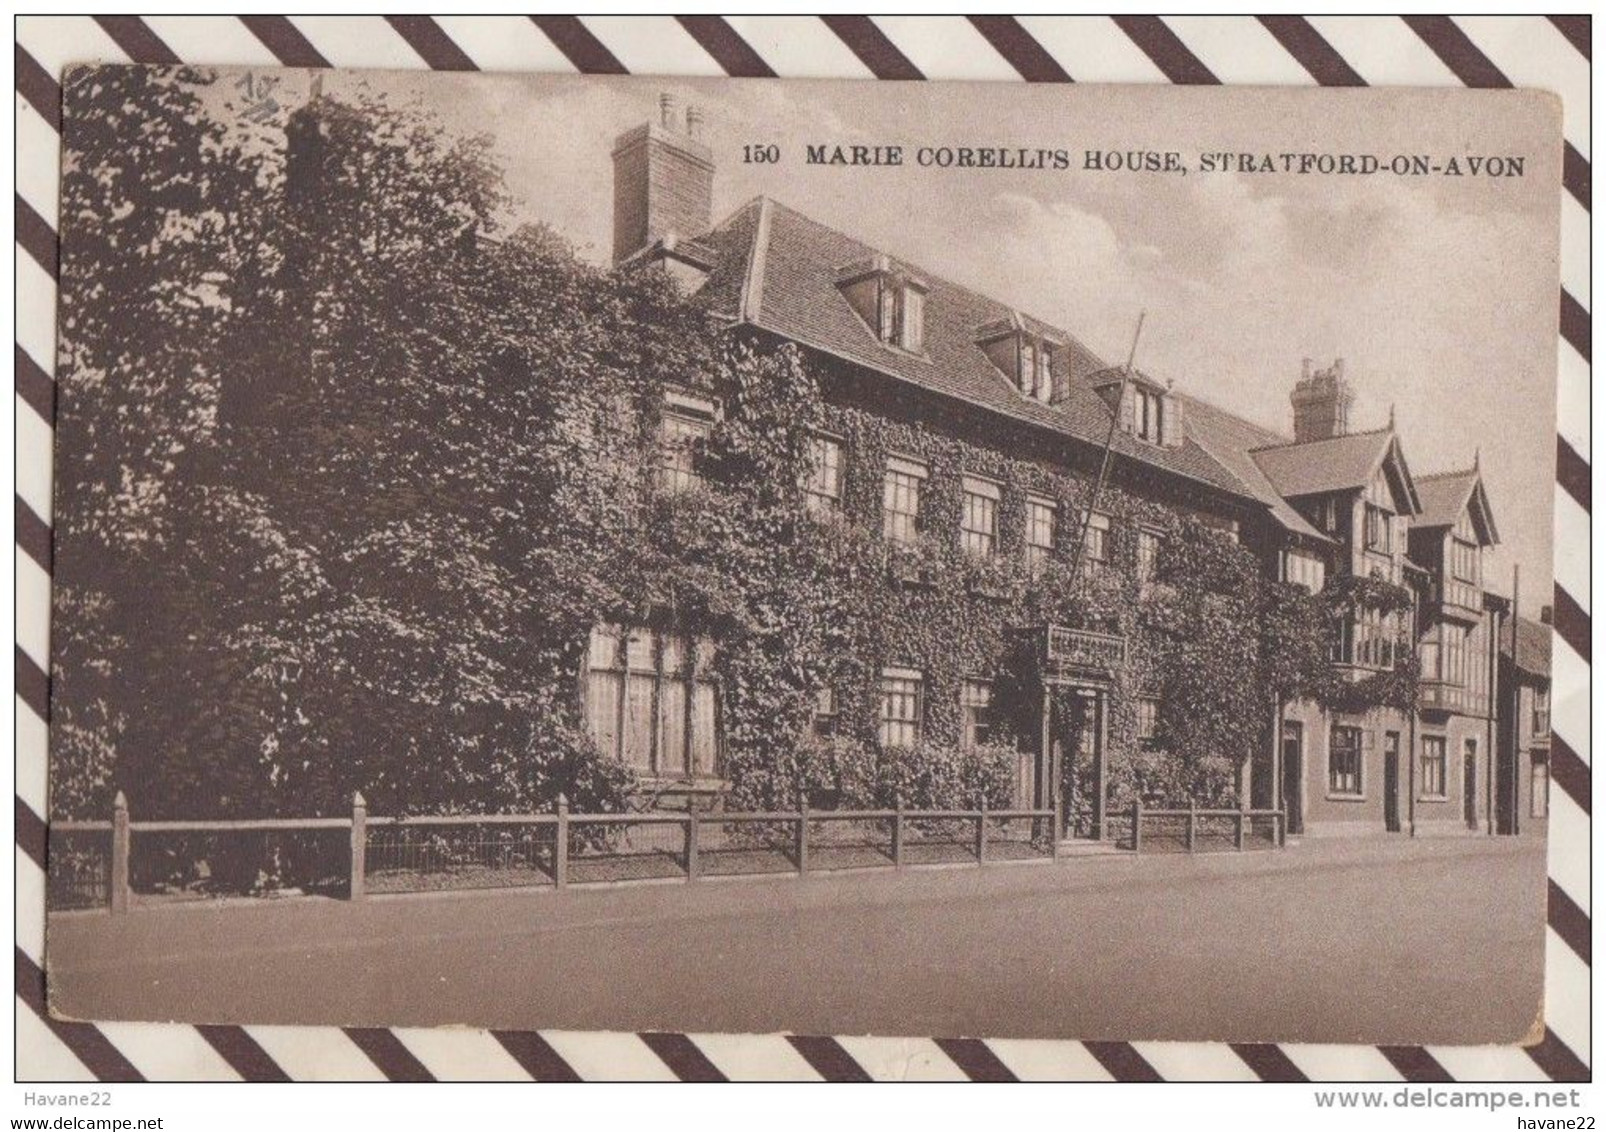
[(663, 181), (1322, 401)]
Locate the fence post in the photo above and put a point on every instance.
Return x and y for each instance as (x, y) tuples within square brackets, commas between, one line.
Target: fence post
[(692, 825), (1192, 818), (803, 837), (560, 846), (1137, 825), (1239, 832), (981, 832), (359, 846), (118, 884), (1282, 828), (897, 835), (1058, 819)]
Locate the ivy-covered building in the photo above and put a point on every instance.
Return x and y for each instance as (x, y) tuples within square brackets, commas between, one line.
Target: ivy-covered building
[(1023, 494)]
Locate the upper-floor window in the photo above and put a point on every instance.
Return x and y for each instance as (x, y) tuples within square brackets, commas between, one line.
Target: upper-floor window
[(1303, 569), (1455, 654), (1463, 560), (891, 302), (822, 488), (1096, 552), (900, 707), (1036, 368), (1147, 406), (976, 709), (680, 436), (978, 525), (1541, 711), (1041, 517), (900, 516), (1148, 554), (1379, 529)]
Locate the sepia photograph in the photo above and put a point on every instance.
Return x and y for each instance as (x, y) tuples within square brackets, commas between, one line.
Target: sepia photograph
[(796, 556)]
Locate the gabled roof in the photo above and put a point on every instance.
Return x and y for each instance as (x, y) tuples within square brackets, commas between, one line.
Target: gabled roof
[(1339, 463), (1231, 440), (778, 271), (1447, 495), (1533, 646)]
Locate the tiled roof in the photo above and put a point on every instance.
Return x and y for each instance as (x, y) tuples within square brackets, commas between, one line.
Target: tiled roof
[(1338, 463), (1231, 440), (1533, 646), (791, 264), (1444, 496)]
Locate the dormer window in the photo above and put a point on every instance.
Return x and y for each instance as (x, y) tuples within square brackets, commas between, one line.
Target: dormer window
[(891, 302), (1147, 406), (1024, 357)]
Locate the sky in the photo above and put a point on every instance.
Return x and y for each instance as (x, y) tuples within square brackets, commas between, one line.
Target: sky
[(1439, 292)]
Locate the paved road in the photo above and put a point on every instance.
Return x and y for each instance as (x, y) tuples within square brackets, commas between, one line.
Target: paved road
[(1332, 941)]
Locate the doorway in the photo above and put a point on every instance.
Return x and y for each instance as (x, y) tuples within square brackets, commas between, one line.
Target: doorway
[(1294, 775), (1391, 781)]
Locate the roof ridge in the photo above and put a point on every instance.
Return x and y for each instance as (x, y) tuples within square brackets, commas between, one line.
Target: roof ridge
[(1385, 430), (968, 290), (1449, 474)]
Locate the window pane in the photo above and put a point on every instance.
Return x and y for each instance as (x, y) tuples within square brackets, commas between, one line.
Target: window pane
[(672, 727), (638, 720), (901, 497), (602, 710), (704, 734)]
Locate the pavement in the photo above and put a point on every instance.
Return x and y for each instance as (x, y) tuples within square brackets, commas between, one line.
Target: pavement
[(1378, 940)]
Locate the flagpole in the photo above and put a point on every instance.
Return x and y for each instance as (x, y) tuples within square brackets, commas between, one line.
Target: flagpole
[(1104, 459)]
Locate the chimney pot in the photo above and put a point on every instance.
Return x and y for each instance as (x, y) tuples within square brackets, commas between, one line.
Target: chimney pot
[(1547, 614), (666, 112), (694, 122), (663, 182)]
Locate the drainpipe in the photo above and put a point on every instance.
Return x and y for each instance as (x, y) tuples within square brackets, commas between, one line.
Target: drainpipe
[(1491, 637), (1411, 774)]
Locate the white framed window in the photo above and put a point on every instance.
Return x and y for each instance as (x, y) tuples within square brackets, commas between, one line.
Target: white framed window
[(1464, 560), (1304, 569), (1148, 554), (1539, 790), (900, 707), (679, 436), (978, 523), (1045, 372), (900, 518), (1096, 552), (976, 706), (651, 700), (1042, 516), (1433, 763), (822, 489)]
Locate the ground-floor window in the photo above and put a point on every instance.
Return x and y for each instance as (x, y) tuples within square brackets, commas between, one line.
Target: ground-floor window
[(976, 708), (1344, 761), (651, 700), (1539, 790), (1433, 767), (825, 712), (1148, 720), (900, 707)]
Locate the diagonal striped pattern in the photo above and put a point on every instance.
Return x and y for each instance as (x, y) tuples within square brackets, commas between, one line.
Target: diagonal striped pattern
[(1331, 51)]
